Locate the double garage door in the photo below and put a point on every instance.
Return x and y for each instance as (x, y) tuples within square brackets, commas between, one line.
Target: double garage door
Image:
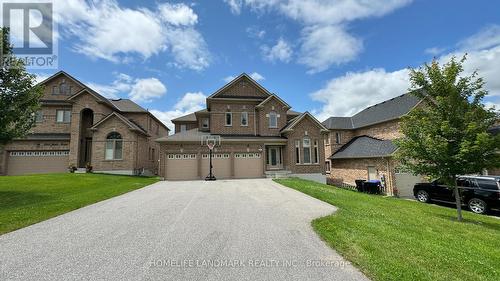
[(191, 167), (405, 183), (36, 162)]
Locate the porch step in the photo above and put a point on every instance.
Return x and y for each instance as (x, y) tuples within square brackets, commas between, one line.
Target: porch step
[(278, 174), (81, 171)]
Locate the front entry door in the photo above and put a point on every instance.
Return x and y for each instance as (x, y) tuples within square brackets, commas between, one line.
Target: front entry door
[(274, 160)]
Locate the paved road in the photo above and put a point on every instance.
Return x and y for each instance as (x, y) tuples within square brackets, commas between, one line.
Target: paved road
[(224, 230)]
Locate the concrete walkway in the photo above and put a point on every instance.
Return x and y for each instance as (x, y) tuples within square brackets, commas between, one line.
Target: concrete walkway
[(223, 230)]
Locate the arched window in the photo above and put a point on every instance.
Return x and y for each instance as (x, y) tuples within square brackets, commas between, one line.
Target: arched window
[(273, 119), (114, 146)]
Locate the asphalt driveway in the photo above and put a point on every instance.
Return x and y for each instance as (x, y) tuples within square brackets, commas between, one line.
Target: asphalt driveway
[(223, 230)]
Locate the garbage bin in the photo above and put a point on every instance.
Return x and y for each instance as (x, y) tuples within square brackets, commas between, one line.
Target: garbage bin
[(359, 185), (372, 186)]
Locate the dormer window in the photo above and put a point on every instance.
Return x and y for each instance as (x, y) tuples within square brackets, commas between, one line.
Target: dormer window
[(205, 123), (229, 119), (273, 119)]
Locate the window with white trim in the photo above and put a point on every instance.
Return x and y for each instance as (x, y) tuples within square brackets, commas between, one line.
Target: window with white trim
[(114, 147), (273, 119), (297, 151), (39, 116), (229, 119), (183, 128), (63, 116), (316, 152), (338, 137), (205, 123), (244, 119), (306, 148)]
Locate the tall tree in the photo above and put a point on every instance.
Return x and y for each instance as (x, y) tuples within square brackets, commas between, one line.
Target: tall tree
[(447, 134), (19, 94)]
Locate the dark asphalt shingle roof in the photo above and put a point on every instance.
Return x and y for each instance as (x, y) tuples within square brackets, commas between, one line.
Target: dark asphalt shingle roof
[(384, 111), (126, 105), (365, 147)]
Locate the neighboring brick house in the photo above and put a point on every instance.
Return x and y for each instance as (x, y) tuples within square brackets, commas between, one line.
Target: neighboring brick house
[(361, 146), (76, 126), (259, 135)]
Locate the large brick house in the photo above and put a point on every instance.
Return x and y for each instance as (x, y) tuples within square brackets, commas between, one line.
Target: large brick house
[(361, 146), (260, 135), (76, 126)]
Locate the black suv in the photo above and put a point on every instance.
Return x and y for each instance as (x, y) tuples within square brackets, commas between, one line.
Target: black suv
[(479, 193)]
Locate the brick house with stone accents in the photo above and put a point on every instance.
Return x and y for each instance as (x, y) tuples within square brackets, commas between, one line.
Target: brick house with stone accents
[(361, 146), (260, 135), (76, 126)]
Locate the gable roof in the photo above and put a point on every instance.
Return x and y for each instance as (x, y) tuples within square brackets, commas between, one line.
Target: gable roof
[(273, 96), (126, 105), (387, 110), (232, 82), (61, 72), (294, 121), (133, 126), (95, 94), (365, 147)]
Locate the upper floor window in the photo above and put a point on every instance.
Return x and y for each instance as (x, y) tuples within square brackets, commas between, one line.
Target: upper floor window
[(63, 116), (229, 119), (273, 119), (306, 147), (114, 146), (205, 123), (316, 152), (338, 137), (39, 116), (244, 119), (183, 127)]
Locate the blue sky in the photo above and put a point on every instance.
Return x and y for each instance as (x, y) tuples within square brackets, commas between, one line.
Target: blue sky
[(327, 57)]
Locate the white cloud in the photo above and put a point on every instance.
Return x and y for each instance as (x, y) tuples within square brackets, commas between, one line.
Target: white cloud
[(189, 103), (105, 30), (39, 77), (325, 38), (235, 6), (282, 51), (354, 91), (434, 51), (138, 89), (323, 46), (145, 90), (255, 32), (255, 76), (178, 14)]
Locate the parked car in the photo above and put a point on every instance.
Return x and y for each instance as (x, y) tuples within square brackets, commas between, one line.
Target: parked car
[(479, 193)]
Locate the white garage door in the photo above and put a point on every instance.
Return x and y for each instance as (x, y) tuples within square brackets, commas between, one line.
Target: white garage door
[(405, 183), (37, 162), (182, 167), (221, 163), (248, 165)]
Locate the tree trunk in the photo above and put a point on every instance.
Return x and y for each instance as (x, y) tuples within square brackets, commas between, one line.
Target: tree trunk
[(457, 199)]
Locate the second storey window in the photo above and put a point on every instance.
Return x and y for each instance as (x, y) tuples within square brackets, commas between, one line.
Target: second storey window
[(338, 137), (39, 116), (306, 145), (204, 123), (273, 119), (114, 146), (63, 116), (244, 119), (183, 128), (229, 119)]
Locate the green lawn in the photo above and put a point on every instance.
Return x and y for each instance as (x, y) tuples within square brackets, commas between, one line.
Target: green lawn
[(26, 200), (395, 239)]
